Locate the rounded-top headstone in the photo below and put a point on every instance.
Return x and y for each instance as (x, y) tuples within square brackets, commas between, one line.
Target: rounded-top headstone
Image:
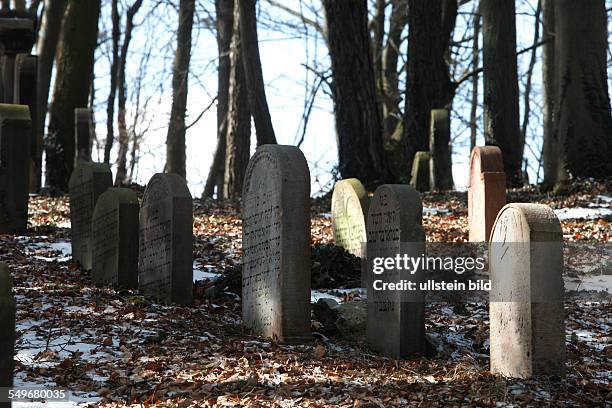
[(350, 205), (276, 244), (420, 177), (527, 333), (165, 261), (7, 327)]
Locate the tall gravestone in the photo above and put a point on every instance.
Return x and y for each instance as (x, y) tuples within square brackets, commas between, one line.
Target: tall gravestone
[(419, 178), (527, 333), (396, 320), (15, 126), (441, 172), (7, 326), (350, 204), (165, 260), (486, 191), (82, 134), (25, 91), (114, 237), (87, 183), (276, 244)]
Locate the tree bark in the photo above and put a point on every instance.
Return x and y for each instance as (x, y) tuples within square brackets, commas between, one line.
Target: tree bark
[(501, 105), (253, 74), (583, 121), (238, 119), (175, 143), (358, 118), (475, 77), (550, 160), (225, 21), (110, 104), (74, 72)]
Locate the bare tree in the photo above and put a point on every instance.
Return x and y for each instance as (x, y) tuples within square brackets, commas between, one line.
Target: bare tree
[(114, 69), (550, 160)]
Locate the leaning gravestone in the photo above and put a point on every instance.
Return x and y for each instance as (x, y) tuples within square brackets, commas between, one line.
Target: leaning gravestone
[(420, 171), (527, 333), (7, 325), (114, 237), (276, 244), (396, 320), (165, 260), (441, 173), (350, 204), (82, 135), (15, 126), (25, 92), (486, 191), (87, 183)]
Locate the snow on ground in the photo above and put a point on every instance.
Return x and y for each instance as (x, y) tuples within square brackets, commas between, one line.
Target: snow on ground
[(582, 213)]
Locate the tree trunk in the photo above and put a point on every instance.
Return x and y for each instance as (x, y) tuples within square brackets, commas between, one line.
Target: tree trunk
[(428, 85), (238, 119), (253, 74), (583, 128), (74, 72), (358, 118), (124, 138), (175, 143), (501, 105), (225, 21), (551, 161), (475, 78), (110, 105)]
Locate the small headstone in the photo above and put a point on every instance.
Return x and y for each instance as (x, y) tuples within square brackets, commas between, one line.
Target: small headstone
[(17, 33), (276, 244), (420, 171), (15, 128), (350, 204), (396, 320), (527, 333), (165, 260), (7, 66), (25, 92), (486, 191), (82, 135), (87, 183), (441, 172), (114, 237), (7, 325)]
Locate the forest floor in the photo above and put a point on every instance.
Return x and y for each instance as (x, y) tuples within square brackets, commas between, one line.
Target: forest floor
[(111, 348)]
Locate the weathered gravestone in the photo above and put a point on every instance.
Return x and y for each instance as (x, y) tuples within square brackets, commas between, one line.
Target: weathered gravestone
[(441, 172), (486, 191), (7, 326), (420, 171), (527, 333), (82, 135), (396, 321), (114, 237), (24, 93), (276, 244), (350, 204), (15, 126), (87, 183), (165, 260)]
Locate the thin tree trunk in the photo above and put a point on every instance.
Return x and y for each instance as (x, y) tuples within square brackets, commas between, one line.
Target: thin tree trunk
[(475, 78), (110, 105), (253, 74), (74, 72), (501, 105), (175, 143), (378, 30), (238, 119), (225, 20), (358, 119), (551, 161)]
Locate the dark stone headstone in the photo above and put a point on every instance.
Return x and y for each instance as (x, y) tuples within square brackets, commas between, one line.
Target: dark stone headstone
[(87, 183), (15, 127), (441, 172), (165, 261), (114, 237), (17, 33), (25, 92), (419, 178), (276, 244), (82, 134), (7, 326), (396, 320)]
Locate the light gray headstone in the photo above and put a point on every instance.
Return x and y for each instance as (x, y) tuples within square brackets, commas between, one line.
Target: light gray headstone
[(527, 334), (276, 244), (396, 322), (114, 231), (87, 183), (165, 260), (350, 204), (7, 326)]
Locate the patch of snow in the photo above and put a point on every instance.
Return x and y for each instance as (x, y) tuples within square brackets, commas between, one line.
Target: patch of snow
[(599, 283), (315, 295), (326, 215), (64, 224), (582, 213), (199, 274), (435, 211)]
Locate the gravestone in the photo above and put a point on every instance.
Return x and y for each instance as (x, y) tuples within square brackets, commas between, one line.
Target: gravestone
[(441, 172), (396, 320), (82, 135), (486, 191), (350, 204), (15, 126), (420, 171), (114, 237), (527, 333), (87, 183), (165, 259), (7, 325), (276, 244), (24, 93)]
